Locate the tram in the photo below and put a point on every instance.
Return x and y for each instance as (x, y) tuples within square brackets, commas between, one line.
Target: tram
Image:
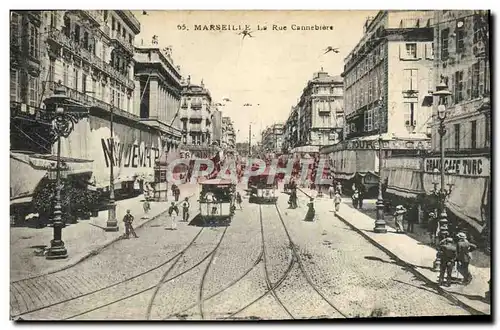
[(217, 200), (263, 190)]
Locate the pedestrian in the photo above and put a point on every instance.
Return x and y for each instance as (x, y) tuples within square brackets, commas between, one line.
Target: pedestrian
[(185, 209), (411, 219), (174, 189), (128, 219), (355, 198), (448, 253), (331, 191), (337, 200), (432, 226), (311, 213), (339, 187), (399, 218), (177, 193), (464, 248), (173, 212), (239, 200), (362, 192)]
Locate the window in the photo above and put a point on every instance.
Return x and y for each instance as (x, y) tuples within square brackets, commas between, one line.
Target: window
[(15, 91), (67, 26), (368, 120), (65, 74), (460, 32), (411, 50), (457, 136), (94, 87), (84, 82), (409, 116), (459, 86), (411, 80), (33, 90), (444, 43), (52, 70), (77, 33), (131, 39), (75, 79), (473, 134), (86, 40), (475, 81), (15, 22), (376, 118), (33, 41)]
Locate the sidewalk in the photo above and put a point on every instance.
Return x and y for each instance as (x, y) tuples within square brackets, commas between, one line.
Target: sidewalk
[(417, 256), (82, 239)]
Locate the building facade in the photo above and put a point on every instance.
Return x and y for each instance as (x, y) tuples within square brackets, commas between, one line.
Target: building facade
[(228, 141), (290, 136), (387, 86), (272, 138), (88, 54), (461, 48), (196, 114), (320, 116), (388, 74), (158, 92)]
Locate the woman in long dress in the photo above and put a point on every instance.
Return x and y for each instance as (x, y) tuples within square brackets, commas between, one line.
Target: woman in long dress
[(399, 218), (310, 211)]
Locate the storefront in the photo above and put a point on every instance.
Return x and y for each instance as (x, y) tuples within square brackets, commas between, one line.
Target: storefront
[(470, 184), (135, 152)]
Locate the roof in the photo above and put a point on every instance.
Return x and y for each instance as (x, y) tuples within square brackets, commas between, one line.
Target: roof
[(216, 182)]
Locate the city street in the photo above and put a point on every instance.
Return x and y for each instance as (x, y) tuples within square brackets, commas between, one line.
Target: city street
[(268, 264)]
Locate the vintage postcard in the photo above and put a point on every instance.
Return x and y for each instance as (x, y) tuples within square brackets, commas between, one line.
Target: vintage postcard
[(250, 165)]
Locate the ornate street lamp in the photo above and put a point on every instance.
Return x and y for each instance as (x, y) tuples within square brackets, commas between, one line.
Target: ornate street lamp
[(442, 93), (64, 114), (380, 222)]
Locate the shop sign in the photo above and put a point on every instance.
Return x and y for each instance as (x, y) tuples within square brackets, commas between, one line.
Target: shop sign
[(470, 166)]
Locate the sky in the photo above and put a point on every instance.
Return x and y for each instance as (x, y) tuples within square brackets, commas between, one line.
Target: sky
[(268, 70)]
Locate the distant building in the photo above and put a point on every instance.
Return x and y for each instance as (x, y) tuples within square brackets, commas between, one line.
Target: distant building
[(318, 118), (196, 114), (272, 138), (217, 127), (228, 141)]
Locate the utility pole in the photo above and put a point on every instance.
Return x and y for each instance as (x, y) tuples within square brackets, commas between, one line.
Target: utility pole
[(112, 223), (249, 140)]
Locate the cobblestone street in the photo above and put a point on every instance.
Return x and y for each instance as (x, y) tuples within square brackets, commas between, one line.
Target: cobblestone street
[(262, 266)]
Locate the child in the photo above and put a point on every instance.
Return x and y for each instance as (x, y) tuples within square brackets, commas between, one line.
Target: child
[(337, 199), (173, 212)]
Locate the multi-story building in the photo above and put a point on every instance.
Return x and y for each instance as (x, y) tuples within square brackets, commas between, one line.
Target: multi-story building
[(89, 55), (290, 136), (196, 118), (217, 127), (228, 134), (158, 86), (387, 80), (461, 50), (272, 138)]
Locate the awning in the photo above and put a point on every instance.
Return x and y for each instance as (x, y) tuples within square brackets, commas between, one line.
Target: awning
[(468, 198), (343, 176), (28, 169), (404, 182)]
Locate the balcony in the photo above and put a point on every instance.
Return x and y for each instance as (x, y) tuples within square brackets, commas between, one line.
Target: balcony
[(118, 39), (196, 105), (195, 128), (196, 116), (89, 101), (119, 76)]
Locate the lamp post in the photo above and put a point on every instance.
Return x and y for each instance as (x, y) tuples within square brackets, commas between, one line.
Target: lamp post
[(380, 222), (442, 93), (64, 115), (112, 223)]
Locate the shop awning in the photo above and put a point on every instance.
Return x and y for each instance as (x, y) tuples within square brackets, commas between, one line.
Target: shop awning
[(467, 199), (28, 169), (404, 182)]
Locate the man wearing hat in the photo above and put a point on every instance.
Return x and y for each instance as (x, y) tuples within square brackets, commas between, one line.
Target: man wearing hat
[(448, 253), (128, 219), (432, 227), (464, 247)]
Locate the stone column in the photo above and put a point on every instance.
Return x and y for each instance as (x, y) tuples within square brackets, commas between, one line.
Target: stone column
[(153, 97)]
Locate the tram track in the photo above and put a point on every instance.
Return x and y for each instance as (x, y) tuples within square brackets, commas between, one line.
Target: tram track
[(302, 267)]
